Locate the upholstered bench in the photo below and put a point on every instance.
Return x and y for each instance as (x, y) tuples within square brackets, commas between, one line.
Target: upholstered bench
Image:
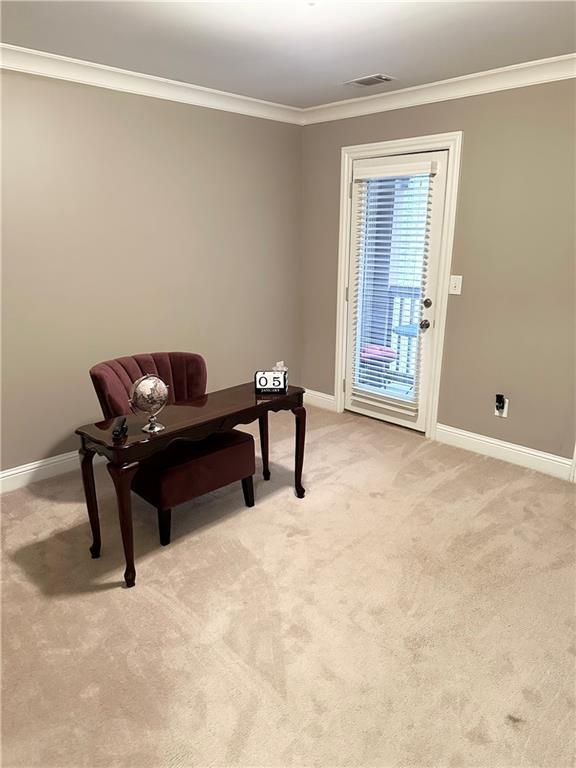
[(187, 470)]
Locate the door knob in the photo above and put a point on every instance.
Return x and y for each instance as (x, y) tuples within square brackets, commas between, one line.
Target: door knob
[(427, 303), (424, 324)]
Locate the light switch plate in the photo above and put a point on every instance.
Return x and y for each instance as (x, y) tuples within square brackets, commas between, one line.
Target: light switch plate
[(455, 285)]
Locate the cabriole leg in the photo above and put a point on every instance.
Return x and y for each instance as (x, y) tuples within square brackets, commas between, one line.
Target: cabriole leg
[(122, 479), (300, 414), (86, 464), (263, 424)]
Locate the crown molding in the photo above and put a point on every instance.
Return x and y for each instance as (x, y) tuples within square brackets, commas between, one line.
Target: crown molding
[(31, 62), (503, 79), (12, 57)]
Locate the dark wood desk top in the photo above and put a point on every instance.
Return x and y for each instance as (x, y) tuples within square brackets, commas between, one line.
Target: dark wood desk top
[(221, 406)]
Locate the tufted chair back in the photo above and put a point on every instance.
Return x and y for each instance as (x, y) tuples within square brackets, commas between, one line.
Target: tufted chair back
[(184, 372)]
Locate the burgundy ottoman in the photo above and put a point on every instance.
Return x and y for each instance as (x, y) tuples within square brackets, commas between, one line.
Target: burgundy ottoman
[(189, 469)]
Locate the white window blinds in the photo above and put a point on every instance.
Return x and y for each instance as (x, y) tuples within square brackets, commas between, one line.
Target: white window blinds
[(390, 246)]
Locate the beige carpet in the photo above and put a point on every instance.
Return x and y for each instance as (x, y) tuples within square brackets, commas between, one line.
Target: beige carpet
[(416, 609)]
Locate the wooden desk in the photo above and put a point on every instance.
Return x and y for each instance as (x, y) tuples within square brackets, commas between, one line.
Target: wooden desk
[(194, 420)]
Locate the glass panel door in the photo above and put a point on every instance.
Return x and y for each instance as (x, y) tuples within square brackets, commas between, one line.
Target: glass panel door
[(397, 210)]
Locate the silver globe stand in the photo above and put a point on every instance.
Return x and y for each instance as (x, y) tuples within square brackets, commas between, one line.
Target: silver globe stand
[(153, 426)]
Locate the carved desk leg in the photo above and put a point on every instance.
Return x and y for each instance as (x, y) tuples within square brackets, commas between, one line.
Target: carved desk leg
[(263, 424), (122, 478), (86, 459), (300, 414)]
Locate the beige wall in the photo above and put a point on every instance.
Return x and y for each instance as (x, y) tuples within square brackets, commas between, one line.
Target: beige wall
[(512, 329), (133, 224)]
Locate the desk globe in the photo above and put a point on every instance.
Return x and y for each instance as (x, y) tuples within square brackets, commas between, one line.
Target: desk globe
[(149, 395)]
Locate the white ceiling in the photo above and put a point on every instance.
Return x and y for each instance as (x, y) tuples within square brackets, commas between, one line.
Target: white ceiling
[(297, 53)]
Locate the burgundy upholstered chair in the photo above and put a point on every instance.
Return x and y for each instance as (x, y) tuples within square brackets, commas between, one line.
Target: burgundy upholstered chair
[(184, 470)]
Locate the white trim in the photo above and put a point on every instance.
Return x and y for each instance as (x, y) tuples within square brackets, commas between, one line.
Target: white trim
[(435, 142), (490, 81), (44, 64), (549, 463), (388, 418), (372, 168), (88, 73), (572, 477), (18, 477), (320, 400)]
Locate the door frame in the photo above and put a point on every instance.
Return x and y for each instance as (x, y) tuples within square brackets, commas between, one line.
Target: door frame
[(452, 142)]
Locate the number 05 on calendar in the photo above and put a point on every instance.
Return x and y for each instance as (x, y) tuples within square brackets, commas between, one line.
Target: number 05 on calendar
[(271, 382)]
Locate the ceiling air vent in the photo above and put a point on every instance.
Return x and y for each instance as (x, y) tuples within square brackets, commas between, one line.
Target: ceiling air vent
[(370, 80)]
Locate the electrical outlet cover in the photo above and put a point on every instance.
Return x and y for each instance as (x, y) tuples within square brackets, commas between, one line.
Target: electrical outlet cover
[(455, 285)]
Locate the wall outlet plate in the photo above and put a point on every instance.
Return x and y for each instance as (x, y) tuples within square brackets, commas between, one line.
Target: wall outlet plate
[(504, 413), (455, 286)]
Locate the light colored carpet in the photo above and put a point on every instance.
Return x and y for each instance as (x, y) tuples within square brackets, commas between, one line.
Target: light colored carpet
[(416, 609)]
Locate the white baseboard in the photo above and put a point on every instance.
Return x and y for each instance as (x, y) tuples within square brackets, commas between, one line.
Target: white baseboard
[(558, 466), (320, 400), (550, 464), (18, 477)]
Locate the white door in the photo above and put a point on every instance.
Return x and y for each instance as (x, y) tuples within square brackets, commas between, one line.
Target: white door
[(397, 213)]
